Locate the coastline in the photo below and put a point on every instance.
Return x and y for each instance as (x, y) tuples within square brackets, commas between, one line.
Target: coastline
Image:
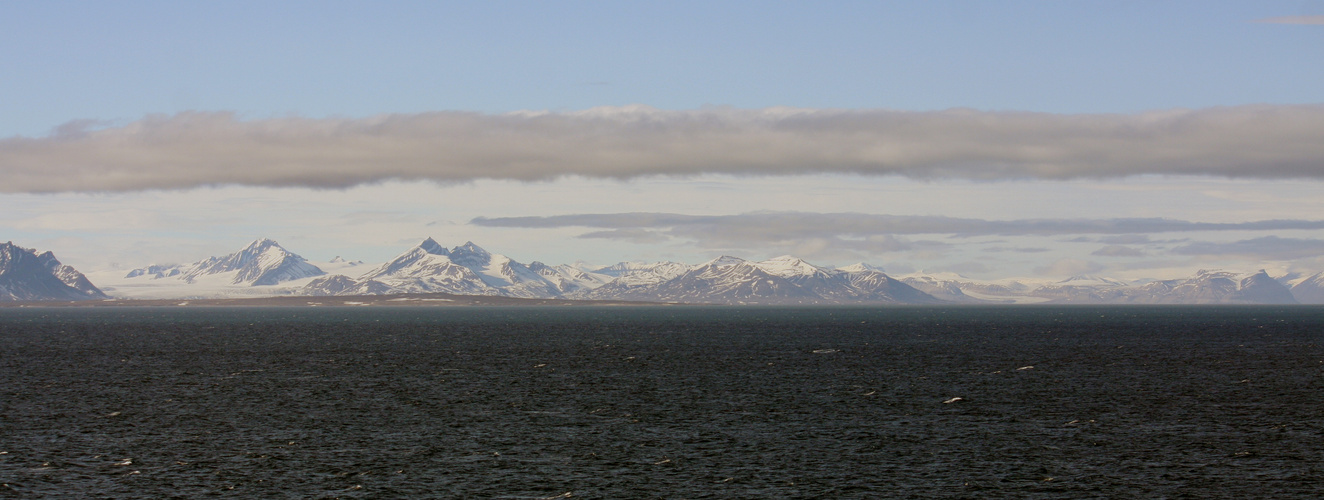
[(398, 300)]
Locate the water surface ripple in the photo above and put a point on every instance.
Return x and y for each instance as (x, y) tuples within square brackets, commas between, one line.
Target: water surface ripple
[(693, 402)]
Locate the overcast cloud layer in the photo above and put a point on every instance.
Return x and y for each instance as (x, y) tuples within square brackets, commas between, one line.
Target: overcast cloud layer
[(197, 149), (784, 225)]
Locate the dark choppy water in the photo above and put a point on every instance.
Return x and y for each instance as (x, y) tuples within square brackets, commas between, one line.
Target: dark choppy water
[(663, 403)]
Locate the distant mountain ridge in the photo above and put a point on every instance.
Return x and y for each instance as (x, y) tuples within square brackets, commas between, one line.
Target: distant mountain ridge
[(262, 263), (265, 268), (1205, 287), (469, 269), (28, 276)]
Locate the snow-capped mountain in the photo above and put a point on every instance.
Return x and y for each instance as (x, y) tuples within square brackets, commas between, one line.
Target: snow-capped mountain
[(1205, 287), (263, 262), (630, 279), (664, 268), (825, 283), (781, 280), (960, 289), (569, 279), (426, 268), (872, 285), (1309, 290), (1215, 287), (793, 268), (945, 289), (156, 271), (25, 275), (1085, 280), (729, 280), (338, 260), (339, 284), (1085, 290), (498, 271), (466, 269), (263, 268)]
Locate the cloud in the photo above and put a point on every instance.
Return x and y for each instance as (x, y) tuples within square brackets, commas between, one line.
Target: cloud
[(632, 235), (1317, 20), (1014, 249), (731, 235), (1069, 267), (218, 148), (1268, 247), (852, 235), (1118, 251), (1125, 239), (763, 226), (967, 268)]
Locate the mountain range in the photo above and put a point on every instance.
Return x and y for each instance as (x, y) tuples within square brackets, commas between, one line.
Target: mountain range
[(1205, 287), (264, 268)]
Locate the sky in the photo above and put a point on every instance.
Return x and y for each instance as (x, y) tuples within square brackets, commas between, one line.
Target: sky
[(990, 139)]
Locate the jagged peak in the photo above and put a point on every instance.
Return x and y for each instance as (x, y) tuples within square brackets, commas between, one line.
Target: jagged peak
[(626, 267), (723, 261), (1084, 279), (431, 246), (470, 247), (933, 275), (860, 267), (261, 244), (11, 247), (470, 255), (788, 266)]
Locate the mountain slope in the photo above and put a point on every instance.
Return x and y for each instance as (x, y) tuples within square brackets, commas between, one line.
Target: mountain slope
[(872, 285), (466, 269), (426, 268), (1310, 290), (569, 279), (339, 284), (262, 263), (498, 271), (1086, 290), (25, 275), (1215, 287), (782, 280), (730, 280)]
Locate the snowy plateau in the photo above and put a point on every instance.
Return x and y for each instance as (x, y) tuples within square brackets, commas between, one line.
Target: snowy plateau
[(265, 269)]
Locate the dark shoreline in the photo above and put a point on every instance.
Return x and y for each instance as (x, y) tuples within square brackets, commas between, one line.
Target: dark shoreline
[(453, 300), (398, 300)]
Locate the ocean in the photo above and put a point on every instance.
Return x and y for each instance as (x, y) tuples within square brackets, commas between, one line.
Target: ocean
[(662, 402)]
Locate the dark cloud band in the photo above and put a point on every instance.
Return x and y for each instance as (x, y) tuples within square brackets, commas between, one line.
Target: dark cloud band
[(197, 149)]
